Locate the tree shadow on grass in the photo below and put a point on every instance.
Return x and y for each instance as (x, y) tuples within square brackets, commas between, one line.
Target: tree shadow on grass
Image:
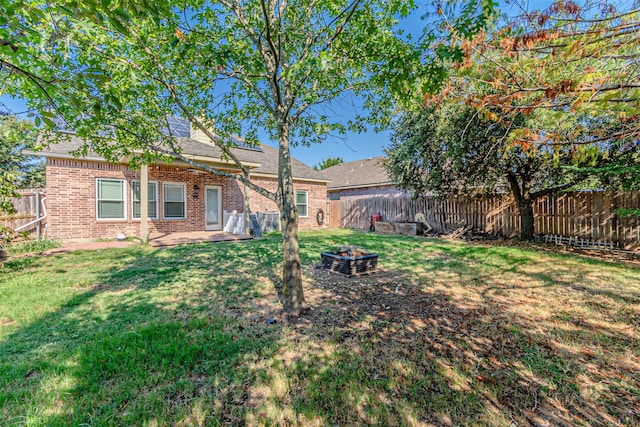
[(148, 342), (440, 339), (413, 356)]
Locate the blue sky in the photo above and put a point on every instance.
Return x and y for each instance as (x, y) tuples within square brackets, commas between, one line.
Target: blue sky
[(352, 146)]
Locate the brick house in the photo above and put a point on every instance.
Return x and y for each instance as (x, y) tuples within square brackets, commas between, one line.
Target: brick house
[(360, 178), (88, 198)]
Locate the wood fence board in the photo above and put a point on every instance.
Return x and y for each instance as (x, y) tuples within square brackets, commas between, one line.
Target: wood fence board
[(560, 228), (595, 218)]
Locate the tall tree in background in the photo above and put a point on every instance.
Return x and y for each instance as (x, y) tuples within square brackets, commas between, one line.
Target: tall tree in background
[(450, 149), (563, 84), (582, 57), (17, 170), (575, 68), (328, 162)]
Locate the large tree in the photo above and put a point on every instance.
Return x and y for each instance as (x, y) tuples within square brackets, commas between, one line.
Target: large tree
[(563, 84), (574, 68), (451, 149), (230, 67), (575, 64)]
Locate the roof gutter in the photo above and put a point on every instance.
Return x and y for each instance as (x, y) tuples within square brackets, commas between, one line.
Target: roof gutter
[(349, 187)]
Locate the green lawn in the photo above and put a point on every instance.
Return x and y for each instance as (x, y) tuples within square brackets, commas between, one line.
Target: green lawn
[(448, 333)]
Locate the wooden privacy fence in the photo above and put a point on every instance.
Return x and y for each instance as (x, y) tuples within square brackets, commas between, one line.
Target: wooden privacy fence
[(27, 210), (587, 215)]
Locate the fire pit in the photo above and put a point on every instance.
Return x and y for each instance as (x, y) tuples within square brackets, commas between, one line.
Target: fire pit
[(350, 260)]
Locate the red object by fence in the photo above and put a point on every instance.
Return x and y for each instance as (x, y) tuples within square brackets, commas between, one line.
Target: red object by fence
[(374, 218)]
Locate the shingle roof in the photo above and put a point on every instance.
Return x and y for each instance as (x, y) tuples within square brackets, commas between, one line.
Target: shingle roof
[(359, 173), (269, 165), (266, 156)]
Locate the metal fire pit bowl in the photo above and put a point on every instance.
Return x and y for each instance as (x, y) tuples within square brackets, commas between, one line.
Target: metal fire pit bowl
[(350, 261)]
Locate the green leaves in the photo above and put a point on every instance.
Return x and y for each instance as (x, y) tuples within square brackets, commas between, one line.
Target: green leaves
[(236, 65)]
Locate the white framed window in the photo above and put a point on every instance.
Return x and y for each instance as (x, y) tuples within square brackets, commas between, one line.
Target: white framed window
[(110, 200), (135, 200), (175, 202), (302, 203)]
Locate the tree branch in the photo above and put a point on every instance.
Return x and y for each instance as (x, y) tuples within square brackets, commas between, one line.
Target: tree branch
[(541, 193), (176, 154), (349, 10)]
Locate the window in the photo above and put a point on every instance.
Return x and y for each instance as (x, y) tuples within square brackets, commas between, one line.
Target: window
[(135, 199), (302, 202), (110, 198), (174, 201)]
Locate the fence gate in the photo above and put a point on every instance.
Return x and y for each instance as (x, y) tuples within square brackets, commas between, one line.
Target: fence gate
[(335, 214)]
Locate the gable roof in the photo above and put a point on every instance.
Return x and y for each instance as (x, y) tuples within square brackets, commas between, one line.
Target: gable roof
[(359, 173), (262, 160), (269, 166)]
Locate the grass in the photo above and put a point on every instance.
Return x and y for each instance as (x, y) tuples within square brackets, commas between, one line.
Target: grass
[(449, 333), (29, 246)]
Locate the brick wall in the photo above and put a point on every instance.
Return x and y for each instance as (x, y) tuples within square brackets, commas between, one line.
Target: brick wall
[(316, 197), (71, 199)]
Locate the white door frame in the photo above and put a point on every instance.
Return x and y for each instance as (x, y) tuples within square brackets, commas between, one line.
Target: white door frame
[(217, 226)]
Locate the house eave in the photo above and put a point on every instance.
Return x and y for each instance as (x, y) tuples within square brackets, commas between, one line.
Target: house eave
[(227, 163), (66, 156), (217, 163), (297, 178)]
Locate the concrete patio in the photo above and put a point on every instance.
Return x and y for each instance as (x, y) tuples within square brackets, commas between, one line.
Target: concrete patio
[(173, 239), (155, 240)]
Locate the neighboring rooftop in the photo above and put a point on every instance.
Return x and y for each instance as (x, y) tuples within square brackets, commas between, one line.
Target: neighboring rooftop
[(359, 173)]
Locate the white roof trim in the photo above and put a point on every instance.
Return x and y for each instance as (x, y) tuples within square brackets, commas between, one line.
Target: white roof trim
[(268, 175), (348, 187)]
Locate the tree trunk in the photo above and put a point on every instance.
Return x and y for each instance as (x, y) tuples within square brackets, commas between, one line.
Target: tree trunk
[(292, 295), (525, 206), (524, 202)]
